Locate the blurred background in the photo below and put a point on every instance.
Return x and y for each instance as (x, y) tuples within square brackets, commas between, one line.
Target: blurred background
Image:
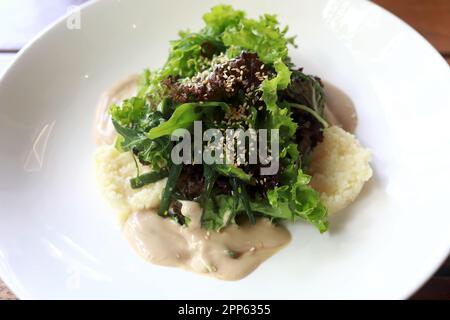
[(21, 20)]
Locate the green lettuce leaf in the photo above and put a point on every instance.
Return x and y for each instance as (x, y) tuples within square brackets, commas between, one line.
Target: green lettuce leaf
[(222, 17), (132, 120), (229, 170), (262, 36), (187, 58), (151, 86), (218, 212), (278, 118), (279, 82), (130, 112), (183, 117), (296, 201)]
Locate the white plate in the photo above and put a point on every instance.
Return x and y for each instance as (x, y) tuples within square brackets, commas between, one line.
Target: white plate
[(58, 239)]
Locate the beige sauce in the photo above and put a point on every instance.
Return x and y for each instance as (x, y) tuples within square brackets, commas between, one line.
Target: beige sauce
[(230, 254), (104, 129), (340, 110)]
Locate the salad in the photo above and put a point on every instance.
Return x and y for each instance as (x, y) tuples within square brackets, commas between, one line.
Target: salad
[(186, 199), (234, 73)]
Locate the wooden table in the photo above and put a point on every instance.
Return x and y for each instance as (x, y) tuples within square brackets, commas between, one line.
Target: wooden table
[(430, 17)]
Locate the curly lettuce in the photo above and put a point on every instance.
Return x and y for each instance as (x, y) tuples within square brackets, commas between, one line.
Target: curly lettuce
[(132, 120), (262, 36)]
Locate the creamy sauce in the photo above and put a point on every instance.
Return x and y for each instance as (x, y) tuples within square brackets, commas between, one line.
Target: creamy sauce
[(340, 110), (234, 252), (230, 254), (104, 129)]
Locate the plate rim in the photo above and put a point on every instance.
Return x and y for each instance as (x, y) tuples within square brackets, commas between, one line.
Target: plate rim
[(440, 259)]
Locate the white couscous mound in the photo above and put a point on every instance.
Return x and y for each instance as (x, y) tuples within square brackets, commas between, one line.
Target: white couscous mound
[(339, 168), (114, 171)]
